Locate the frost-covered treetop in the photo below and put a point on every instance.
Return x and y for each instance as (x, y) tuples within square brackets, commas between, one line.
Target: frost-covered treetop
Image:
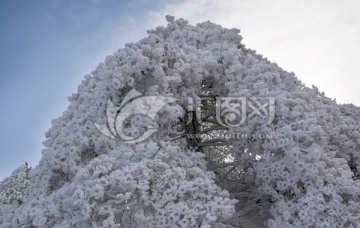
[(308, 170), (13, 190)]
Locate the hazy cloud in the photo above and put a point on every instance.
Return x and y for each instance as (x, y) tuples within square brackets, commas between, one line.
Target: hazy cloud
[(318, 40)]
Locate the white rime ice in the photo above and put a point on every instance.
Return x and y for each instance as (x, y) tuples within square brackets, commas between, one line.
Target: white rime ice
[(13, 190), (305, 175)]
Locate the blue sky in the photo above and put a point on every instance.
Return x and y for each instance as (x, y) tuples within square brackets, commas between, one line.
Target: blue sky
[(46, 47)]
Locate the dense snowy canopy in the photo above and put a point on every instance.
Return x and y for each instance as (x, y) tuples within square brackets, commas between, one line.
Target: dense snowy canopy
[(300, 169)]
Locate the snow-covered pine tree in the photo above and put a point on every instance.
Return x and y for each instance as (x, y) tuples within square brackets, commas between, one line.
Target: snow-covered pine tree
[(303, 173), (13, 190), (86, 179)]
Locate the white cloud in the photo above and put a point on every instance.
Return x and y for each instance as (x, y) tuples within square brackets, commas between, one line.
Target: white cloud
[(318, 40)]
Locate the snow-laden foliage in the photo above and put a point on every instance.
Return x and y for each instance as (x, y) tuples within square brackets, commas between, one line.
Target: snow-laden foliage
[(151, 185), (309, 164), (304, 173), (13, 190), (86, 179)]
